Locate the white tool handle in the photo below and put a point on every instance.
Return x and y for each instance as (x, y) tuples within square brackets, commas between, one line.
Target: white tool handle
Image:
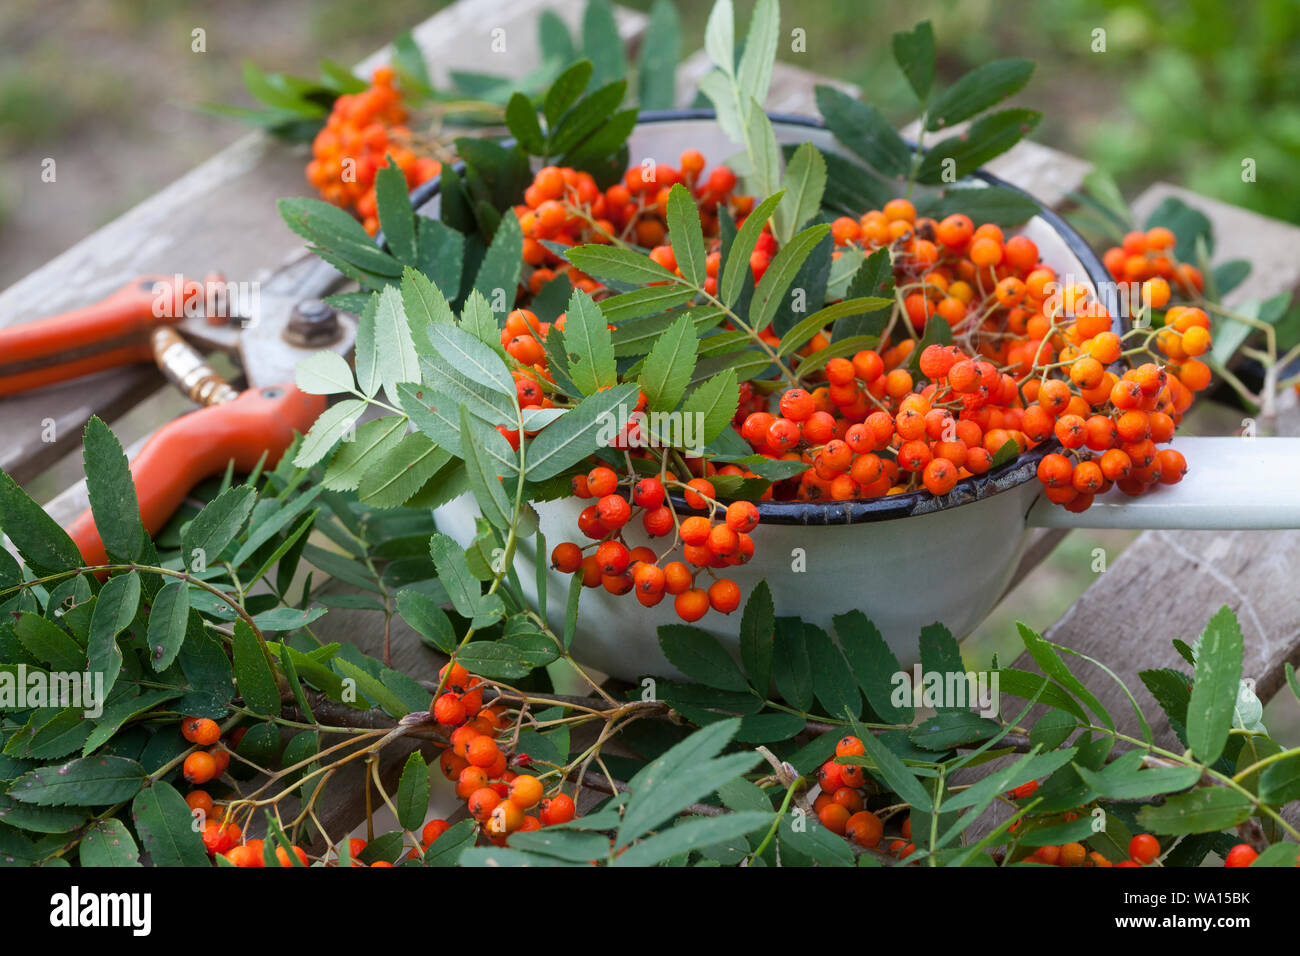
[(1237, 484)]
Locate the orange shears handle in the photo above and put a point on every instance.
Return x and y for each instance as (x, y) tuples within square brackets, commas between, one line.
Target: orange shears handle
[(199, 445), (114, 331)]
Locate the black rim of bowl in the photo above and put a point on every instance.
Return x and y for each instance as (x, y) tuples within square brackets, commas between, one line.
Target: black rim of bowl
[(911, 503)]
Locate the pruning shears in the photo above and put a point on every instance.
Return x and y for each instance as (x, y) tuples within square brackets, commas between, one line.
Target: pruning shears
[(267, 327)]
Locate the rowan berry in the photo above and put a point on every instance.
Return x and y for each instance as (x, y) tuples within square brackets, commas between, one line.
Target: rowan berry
[(1020, 253), (525, 791), (691, 605), (1101, 432), (723, 540), (1087, 478), (849, 746), (1027, 789), (1126, 394), (601, 481), (451, 764), (783, 435), (1196, 341), (694, 530), (557, 809), (482, 751), (1173, 466), (243, 855), (612, 556), (566, 557), (834, 817), (283, 857), (200, 800), (936, 360), (1133, 426), (742, 516), (1143, 848), (648, 493), (755, 427), (699, 493), (1050, 855), (219, 837), (868, 365), (432, 830), (1071, 431), (677, 577), (985, 252), (724, 596), (199, 767), (955, 230), (1243, 854), (1073, 854), (200, 730), (657, 522), (482, 802), (1055, 470), (848, 798), (978, 461), (1194, 374), (1155, 293), (963, 376), (449, 710), (939, 476), (852, 776), (898, 383), (864, 828), (1115, 464), (471, 779), (613, 511), (721, 180)]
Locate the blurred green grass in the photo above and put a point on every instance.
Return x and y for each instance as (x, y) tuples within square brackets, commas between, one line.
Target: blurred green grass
[(1185, 90)]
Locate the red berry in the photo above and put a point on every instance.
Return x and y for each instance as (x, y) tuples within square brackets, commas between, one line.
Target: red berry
[(601, 481), (566, 557), (1143, 848), (1243, 854), (557, 809), (612, 556), (613, 511), (648, 493), (449, 710)]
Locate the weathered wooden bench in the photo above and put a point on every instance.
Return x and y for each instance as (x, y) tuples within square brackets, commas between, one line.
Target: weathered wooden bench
[(222, 216)]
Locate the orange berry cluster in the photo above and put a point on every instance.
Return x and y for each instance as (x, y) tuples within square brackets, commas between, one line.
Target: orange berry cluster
[(497, 797), (1031, 366), (362, 130), (204, 765), (565, 206), (841, 805), (720, 540), (250, 852), (1147, 257), (1143, 850)]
